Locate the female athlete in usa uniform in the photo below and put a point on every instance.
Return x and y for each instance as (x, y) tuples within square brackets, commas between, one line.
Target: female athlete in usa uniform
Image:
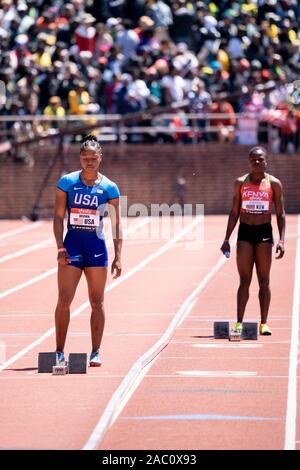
[(254, 195), (84, 195)]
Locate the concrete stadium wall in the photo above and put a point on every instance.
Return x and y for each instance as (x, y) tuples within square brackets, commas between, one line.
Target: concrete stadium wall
[(147, 174)]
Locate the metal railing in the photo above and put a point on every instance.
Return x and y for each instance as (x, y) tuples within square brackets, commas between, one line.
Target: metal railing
[(116, 124), (136, 127)]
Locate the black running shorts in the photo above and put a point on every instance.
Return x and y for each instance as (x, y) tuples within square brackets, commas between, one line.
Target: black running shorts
[(255, 234)]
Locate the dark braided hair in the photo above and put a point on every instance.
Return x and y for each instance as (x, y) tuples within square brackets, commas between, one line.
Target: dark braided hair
[(90, 142), (258, 149)]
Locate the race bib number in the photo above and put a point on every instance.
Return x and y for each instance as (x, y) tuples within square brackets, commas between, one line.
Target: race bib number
[(255, 206), (85, 218)]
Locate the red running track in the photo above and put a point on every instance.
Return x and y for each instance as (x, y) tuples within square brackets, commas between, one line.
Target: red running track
[(190, 391)]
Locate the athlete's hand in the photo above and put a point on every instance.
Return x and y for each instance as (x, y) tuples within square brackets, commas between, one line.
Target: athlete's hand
[(62, 257), (225, 248), (280, 249), (116, 268)]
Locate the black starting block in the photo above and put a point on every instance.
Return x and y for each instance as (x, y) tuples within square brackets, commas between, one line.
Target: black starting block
[(249, 330), (222, 331), (46, 361), (77, 363)]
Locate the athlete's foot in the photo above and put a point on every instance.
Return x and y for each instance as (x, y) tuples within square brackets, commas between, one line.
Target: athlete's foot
[(60, 357), (95, 360), (265, 330), (238, 327)]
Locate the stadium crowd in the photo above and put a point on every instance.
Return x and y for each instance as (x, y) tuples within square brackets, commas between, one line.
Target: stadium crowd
[(128, 56)]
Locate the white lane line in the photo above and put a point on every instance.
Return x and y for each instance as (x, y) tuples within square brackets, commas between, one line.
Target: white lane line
[(291, 414), (111, 286), (139, 315), (31, 281), (202, 328), (133, 378), (207, 320), (265, 343), (51, 271), (4, 271), (17, 231), (227, 346), (216, 373), (29, 249), (217, 358), (149, 376), (32, 375)]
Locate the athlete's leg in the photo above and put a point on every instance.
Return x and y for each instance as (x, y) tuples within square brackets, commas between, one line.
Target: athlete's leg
[(96, 280), (244, 261), (68, 278), (263, 260)]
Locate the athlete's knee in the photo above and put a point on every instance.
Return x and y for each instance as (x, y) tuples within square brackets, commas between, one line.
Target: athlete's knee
[(264, 282), (64, 299), (245, 281), (96, 301)]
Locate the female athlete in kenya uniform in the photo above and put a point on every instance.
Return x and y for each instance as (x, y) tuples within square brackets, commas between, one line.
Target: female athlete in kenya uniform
[(254, 194), (84, 194)]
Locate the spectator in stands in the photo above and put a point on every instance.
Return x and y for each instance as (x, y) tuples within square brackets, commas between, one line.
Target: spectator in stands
[(225, 126), (183, 17), (200, 102), (153, 84), (173, 86), (103, 40), (5, 77), (233, 47), (127, 40), (54, 108), (79, 99), (20, 53), (288, 129), (7, 14), (178, 122), (42, 57), (85, 33), (160, 13)]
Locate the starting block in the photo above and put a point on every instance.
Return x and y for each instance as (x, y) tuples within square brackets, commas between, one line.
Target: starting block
[(249, 330), (222, 331), (60, 369), (77, 364), (234, 335), (46, 361)]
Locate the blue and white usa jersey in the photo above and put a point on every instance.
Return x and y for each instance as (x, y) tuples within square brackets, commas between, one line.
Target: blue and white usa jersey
[(86, 204)]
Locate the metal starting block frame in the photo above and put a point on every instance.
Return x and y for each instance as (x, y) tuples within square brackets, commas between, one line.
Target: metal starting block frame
[(77, 364), (234, 335), (60, 369), (222, 331)]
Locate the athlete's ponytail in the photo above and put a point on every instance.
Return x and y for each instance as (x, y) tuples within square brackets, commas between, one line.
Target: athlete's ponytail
[(90, 142)]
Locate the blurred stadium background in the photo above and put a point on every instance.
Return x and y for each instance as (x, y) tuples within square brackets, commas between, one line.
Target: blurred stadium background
[(176, 91)]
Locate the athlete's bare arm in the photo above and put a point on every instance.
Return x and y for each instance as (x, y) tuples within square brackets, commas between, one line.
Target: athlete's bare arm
[(115, 217), (280, 214), (234, 214), (58, 223)]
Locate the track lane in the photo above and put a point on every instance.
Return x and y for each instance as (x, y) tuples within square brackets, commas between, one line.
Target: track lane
[(19, 380), (135, 320), (207, 394)]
